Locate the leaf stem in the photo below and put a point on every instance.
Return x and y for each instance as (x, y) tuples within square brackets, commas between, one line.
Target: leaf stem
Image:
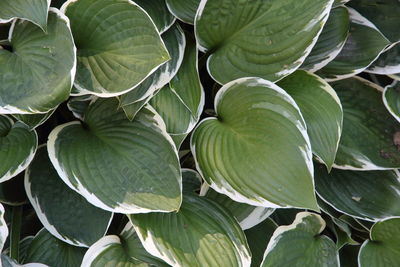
[(15, 232)]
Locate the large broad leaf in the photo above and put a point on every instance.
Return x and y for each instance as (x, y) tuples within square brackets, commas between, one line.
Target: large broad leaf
[(258, 238), (185, 10), (34, 120), (370, 136), (37, 74), (201, 234), (301, 244), (12, 192), (383, 249), (391, 99), (63, 212), (372, 195), (3, 229), (384, 14), (159, 13), (331, 41), (257, 150), (267, 39), (32, 10), (248, 216), (17, 147), (134, 100), (363, 46), (322, 112), (53, 252), (118, 45), (123, 250), (8, 262), (116, 164), (387, 63)]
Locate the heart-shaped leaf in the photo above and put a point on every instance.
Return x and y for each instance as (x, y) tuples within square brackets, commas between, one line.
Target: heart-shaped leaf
[(37, 74), (185, 10), (363, 46), (267, 39), (201, 234), (304, 241), (321, 109), (17, 147), (257, 150), (3, 228), (384, 247), (387, 63), (118, 45), (391, 99), (116, 164), (159, 13), (370, 136), (331, 41), (34, 11), (53, 252), (63, 212), (372, 195)]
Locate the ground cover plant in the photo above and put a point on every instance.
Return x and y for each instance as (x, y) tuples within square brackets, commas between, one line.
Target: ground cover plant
[(215, 133)]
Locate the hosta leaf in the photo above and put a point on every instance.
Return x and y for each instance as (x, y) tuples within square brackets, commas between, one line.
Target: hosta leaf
[(17, 147), (118, 45), (63, 212), (363, 46), (3, 229), (321, 109), (139, 156), (185, 10), (388, 62), (53, 252), (372, 195), (79, 104), (134, 100), (159, 13), (34, 120), (267, 39), (301, 244), (257, 150), (331, 41), (37, 75), (191, 181), (258, 238), (33, 10), (247, 216), (342, 232), (12, 192), (370, 136), (391, 99), (8, 262), (201, 234), (339, 2), (383, 249), (384, 14)]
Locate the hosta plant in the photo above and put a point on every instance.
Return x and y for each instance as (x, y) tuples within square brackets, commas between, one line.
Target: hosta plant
[(191, 133)]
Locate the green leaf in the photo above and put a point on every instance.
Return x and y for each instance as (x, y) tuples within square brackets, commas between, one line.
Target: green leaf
[(387, 63), (363, 46), (257, 150), (118, 45), (331, 41), (49, 250), (391, 99), (63, 212), (321, 109), (383, 249), (17, 147), (301, 244), (384, 14), (201, 234), (139, 155), (185, 10), (248, 216), (267, 39), (134, 100), (191, 181), (79, 104), (34, 120), (258, 238), (3, 228), (342, 232), (370, 136), (159, 13), (8, 262), (34, 11), (38, 74), (123, 250), (12, 192), (339, 2), (371, 195)]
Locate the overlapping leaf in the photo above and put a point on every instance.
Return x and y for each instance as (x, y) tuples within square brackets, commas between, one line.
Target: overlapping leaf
[(185, 10), (387, 63), (391, 99), (159, 13)]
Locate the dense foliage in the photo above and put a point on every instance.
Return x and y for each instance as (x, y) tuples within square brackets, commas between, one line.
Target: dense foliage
[(215, 133)]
